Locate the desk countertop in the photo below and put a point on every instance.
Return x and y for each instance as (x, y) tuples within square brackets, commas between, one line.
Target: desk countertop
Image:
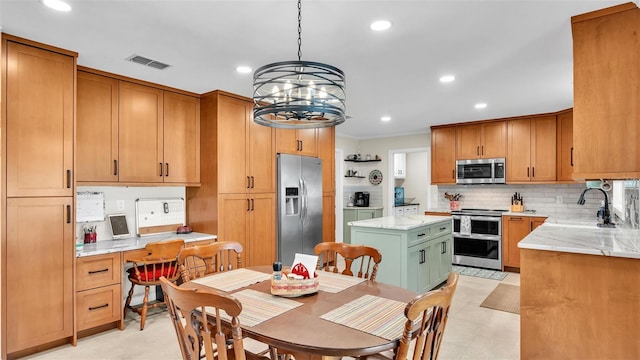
[(136, 242), (406, 222)]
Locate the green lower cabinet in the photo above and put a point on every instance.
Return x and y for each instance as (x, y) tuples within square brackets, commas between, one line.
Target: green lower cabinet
[(357, 214), (418, 259)]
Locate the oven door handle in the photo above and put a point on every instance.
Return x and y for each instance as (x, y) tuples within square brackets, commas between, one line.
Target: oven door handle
[(478, 236), (479, 218)]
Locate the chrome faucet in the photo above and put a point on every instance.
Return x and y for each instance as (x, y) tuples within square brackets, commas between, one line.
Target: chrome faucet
[(606, 215)]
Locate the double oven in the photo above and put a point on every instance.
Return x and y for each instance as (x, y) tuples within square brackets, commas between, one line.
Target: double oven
[(477, 238)]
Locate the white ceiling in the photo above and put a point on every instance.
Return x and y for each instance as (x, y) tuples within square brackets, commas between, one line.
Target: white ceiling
[(515, 55)]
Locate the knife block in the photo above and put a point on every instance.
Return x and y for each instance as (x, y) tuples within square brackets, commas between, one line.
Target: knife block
[(517, 208)]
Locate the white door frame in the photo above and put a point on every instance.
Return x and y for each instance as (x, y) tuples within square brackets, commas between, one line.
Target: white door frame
[(339, 202), (391, 181)]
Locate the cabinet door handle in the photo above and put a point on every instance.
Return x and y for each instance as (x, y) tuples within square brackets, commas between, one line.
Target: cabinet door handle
[(477, 150), (68, 179), (98, 271), (571, 156), (98, 307), (527, 171), (444, 248), (161, 168), (252, 205), (482, 150), (115, 167), (453, 173), (533, 172), (167, 166), (253, 182), (68, 214), (248, 182), (248, 205)]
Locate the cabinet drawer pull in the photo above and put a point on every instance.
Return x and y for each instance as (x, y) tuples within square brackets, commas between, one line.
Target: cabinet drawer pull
[(421, 235), (515, 218), (161, 168), (115, 167), (97, 271), (98, 307), (443, 228), (167, 171)]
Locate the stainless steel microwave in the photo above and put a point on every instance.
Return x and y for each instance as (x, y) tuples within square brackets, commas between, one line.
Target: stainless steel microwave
[(480, 171)]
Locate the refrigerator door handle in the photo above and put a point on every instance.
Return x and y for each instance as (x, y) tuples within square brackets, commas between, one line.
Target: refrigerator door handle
[(303, 201)]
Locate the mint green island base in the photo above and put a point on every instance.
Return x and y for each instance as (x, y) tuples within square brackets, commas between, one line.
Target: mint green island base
[(416, 249)]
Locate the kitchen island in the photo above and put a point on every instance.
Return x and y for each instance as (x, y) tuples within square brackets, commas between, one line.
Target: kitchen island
[(416, 249), (580, 292)]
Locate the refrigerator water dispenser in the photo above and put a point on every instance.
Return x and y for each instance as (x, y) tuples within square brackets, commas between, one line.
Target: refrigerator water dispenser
[(292, 201)]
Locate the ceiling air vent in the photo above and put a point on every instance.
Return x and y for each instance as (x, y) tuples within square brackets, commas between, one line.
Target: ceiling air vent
[(147, 62)]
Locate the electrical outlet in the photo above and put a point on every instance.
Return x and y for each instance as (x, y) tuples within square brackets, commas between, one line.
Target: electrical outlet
[(120, 205), (559, 200)]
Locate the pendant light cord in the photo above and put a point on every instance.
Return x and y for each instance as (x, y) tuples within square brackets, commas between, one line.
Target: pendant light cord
[(299, 30)]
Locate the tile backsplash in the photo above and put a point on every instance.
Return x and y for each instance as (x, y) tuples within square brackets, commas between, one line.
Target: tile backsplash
[(553, 200)]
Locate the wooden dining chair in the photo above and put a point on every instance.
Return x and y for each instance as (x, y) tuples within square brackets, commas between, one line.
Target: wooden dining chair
[(431, 311), (160, 260), (368, 258), (187, 310), (197, 261)]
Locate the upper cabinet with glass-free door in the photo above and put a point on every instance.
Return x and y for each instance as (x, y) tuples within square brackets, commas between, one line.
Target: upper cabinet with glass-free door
[(481, 141)]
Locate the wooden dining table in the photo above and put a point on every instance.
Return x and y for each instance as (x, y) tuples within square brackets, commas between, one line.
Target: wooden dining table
[(303, 333)]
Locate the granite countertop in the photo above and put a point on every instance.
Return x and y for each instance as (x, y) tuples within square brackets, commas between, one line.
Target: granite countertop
[(135, 242), (406, 222), (582, 236)]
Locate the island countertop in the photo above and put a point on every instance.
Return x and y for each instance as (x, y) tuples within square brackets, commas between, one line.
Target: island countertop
[(136, 242), (583, 237), (406, 222)]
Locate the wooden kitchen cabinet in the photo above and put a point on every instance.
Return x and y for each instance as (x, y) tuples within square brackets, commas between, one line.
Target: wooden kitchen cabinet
[(250, 219), (97, 128), (531, 150), (98, 291), (297, 141), (606, 110), (140, 135), (328, 218), (327, 152), (39, 272), (481, 141), (564, 142), (146, 134), (245, 150), (443, 155), (38, 98), (181, 145), (39, 121), (514, 229)]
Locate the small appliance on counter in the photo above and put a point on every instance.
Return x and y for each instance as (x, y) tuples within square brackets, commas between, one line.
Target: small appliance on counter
[(362, 199), (399, 196)]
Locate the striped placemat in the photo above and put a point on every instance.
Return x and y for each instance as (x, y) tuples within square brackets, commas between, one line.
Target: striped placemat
[(371, 314), (259, 306), (334, 283), (232, 280)]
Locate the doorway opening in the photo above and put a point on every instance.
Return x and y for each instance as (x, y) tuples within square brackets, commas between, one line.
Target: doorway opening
[(417, 178)]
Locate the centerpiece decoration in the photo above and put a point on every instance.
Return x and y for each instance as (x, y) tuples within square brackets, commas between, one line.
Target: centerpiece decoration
[(298, 280)]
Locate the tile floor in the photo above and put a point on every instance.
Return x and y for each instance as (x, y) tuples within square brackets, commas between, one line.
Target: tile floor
[(472, 332)]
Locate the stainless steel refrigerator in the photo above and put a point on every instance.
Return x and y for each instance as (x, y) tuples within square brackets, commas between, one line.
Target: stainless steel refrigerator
[(299, 206)]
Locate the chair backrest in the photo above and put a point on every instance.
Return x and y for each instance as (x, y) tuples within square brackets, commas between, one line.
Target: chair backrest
[(197, 261), (432, 310), (366, 256), (160, 260), (188, 315)]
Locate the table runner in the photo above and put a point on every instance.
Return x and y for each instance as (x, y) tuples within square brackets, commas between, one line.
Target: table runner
[(258, 307), (334, 283), (371, 314), (232, 280)]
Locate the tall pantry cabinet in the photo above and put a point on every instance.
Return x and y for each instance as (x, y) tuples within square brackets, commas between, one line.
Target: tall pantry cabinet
[(237, 196), (37, 195)]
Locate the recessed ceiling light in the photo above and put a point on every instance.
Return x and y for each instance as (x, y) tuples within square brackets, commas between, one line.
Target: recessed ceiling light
[(447, 78), (480, 105), (380, 25), (243, 69), (386, 118), (57, 5)]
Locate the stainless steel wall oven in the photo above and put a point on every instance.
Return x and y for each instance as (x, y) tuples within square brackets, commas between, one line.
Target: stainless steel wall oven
[(477, 238)]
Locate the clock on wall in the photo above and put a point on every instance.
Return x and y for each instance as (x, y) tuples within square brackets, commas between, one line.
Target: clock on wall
[(375, 177)]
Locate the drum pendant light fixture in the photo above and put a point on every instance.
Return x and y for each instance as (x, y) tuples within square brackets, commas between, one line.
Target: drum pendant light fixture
[(299, 94)]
